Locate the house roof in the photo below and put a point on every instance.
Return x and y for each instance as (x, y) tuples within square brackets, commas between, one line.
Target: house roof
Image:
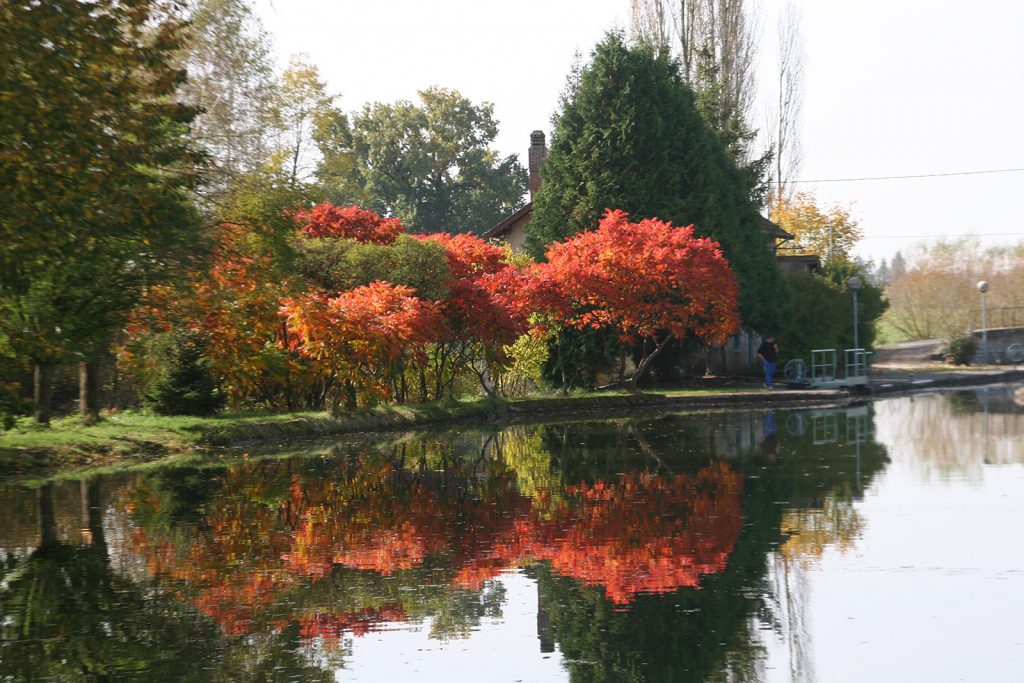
[(502, 228), (773, 230)]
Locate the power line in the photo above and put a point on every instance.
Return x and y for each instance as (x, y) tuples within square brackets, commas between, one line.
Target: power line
[(904, 177), (941, 237)]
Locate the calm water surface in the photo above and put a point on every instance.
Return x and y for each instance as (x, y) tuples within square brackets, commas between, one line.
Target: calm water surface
[(877, 543)]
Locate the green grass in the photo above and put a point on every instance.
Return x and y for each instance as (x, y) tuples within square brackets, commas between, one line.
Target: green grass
[(135, 437), (130, 425), (140, 426)]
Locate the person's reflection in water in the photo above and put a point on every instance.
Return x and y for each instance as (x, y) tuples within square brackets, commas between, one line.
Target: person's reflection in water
[(770, 442)]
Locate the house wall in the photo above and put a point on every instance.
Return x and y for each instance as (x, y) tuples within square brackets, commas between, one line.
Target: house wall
[(798, 263), (738, 355), (998, 341), (516, 235)]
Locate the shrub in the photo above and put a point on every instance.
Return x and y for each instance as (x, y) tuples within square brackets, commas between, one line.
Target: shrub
[(960, 350), (184, 384), (12, 403), (525, 373)]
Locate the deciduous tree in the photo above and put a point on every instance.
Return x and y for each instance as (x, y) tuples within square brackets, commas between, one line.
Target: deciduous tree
[(307, 121), (480, 322), (360, 336), (936, 296), (95, 166), (715, 42), (786, 122), (649, 281), (349, 222), (433, 165), (231, 307), (830, 233), (229, 59)]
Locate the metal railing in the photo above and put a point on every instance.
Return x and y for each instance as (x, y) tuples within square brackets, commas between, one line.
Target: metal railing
[(997, 318)]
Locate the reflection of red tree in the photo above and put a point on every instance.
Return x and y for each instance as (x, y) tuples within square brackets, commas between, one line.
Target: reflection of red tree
[(331, 627), (643, 533), (649, 534), (378, 522)]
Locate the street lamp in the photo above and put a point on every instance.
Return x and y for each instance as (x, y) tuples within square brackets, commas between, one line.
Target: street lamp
[(854, 284), (983, 287)]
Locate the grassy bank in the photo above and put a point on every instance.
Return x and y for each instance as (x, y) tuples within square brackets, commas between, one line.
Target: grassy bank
[(137, 437)]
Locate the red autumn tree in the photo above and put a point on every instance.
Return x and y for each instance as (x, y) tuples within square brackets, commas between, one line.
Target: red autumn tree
[(480, 321), (649, 281), (468, 255), (348, 222), (361, 337)]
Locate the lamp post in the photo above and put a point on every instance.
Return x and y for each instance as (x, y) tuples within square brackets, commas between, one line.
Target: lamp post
[(854, 284), (983, 288)]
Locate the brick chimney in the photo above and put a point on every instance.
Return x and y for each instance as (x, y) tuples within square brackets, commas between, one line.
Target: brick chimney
[(538, 153)]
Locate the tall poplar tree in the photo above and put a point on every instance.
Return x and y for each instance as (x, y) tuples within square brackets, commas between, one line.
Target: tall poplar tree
[(630, 137), (231, 81), (715, 42)]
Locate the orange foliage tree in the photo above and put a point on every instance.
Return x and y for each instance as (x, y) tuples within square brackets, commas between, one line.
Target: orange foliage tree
[(362, 337), (348, 222), (649, 281), (232, 304), (480, 321)]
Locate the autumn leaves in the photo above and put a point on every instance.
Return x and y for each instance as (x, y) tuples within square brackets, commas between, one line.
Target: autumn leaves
[(647, 281)]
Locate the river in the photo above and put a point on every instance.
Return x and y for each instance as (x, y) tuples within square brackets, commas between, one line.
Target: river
[(878, 542)]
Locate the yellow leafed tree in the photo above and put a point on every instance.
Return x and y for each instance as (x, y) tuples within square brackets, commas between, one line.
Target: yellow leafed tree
[(830, 233)]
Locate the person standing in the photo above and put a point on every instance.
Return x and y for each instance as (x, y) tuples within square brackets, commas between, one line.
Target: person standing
[(768, 352)]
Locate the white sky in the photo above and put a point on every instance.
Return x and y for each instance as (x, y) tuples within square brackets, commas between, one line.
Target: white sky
[(892, 87)]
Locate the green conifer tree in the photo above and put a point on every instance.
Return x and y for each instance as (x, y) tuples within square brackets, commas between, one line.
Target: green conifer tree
[(630, 137)]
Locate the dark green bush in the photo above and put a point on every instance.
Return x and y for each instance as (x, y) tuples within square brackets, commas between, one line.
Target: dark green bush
[(338, 265), (960, 350), (821, 314), (10, 405), (184, 385), (12, 401)]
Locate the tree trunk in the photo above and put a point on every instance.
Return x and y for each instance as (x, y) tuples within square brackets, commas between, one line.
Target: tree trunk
[(424, 395), (93, 505), (440, 360), (491, 391), (89, 390), (645, 362), (561, 362), (351, 399), (289, 391), (42, 388)]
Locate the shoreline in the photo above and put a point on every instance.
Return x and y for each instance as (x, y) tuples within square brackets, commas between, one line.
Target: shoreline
[(211, 436)]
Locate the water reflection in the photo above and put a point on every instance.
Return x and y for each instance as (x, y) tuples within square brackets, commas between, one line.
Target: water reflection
[(955, 434), (658, 547), (67, 615)]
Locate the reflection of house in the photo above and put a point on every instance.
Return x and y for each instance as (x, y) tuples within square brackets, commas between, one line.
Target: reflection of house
[(738, 354)]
